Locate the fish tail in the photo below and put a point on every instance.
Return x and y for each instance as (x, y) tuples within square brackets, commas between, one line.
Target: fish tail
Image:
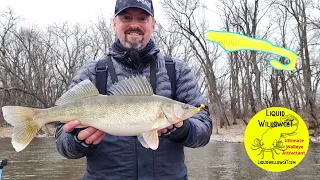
[(25, 125)]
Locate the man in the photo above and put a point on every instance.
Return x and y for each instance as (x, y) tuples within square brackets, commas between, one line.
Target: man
[(114, 157)]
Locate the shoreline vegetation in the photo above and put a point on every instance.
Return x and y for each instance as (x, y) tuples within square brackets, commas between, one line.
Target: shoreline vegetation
[(232, 134)]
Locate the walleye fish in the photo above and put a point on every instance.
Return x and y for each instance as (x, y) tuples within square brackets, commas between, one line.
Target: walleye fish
[(131, 110)]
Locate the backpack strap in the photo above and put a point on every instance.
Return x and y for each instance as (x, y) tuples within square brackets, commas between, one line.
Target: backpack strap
[(171, 70), (102, 73), (153, 78), (112, 71)]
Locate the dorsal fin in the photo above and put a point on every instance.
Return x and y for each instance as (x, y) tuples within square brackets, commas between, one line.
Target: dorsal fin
[(81, 90), (135, 86)]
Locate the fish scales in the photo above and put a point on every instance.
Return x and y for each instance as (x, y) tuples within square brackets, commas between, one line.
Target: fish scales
[(109, 113)]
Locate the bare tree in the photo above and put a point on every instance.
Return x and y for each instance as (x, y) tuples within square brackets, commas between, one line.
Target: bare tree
[(244, 17), (8, 21), (101, 37), (298, 10), (36, 65), (175, 45), (184, 17)]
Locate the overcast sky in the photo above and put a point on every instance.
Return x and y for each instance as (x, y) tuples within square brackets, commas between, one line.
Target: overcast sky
[(43, 12)]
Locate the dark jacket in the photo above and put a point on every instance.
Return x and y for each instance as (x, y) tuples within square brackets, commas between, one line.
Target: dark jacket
[(124, 158)]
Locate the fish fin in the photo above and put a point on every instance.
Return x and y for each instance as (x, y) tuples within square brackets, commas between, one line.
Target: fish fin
[(135, 86), (25, 126), (152, 139), (143, 142), (81, 90)]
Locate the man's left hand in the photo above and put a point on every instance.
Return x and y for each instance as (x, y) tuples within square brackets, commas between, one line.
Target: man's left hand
[(165, 130)]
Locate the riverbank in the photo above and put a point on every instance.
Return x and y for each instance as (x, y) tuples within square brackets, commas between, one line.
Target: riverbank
[(233, 134), (48, 131)]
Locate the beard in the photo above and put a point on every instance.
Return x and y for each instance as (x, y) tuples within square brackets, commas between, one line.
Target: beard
[(136, 45), (133, 45)]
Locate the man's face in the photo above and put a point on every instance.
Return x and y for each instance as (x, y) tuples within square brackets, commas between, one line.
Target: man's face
[(134, 27)]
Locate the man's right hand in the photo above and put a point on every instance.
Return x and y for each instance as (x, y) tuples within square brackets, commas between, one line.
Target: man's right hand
[(89, 135)]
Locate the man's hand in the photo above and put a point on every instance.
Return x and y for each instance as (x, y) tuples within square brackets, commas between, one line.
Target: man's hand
[(90, 135), (165, 130)]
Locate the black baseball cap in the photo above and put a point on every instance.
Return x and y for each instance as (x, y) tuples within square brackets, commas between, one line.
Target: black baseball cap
[(145, 5)]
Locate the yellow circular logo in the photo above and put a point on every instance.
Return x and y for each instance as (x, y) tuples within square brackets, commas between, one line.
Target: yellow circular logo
[(276, 139)]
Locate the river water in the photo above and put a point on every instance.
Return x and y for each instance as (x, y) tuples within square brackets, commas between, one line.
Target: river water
[(216, 161)]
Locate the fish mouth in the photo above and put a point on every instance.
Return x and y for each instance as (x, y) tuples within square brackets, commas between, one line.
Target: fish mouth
[(192, 112), (202, 106)]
